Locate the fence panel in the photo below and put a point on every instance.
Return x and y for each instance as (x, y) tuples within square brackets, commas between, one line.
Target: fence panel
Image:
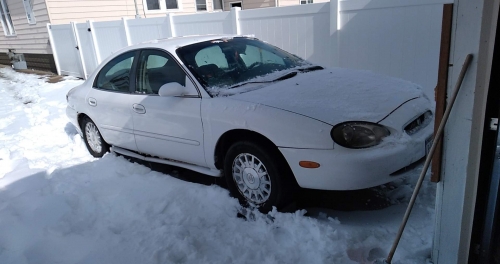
[(141, 30), (110, 36), (208, 23), (402, 41), (87, 47), (303, 30), (65, 45), (392, 37)]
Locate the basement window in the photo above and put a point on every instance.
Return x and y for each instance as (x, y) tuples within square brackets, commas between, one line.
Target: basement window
[(28, 7), (8, 27), (304, 2)]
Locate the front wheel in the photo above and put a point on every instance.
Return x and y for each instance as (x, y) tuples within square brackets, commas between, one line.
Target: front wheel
[(257, 176), (93, 139)]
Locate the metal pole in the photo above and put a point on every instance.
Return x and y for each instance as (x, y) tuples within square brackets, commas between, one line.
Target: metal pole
[(439, 133)]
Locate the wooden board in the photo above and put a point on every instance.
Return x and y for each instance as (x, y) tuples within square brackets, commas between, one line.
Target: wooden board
[(440, 92)]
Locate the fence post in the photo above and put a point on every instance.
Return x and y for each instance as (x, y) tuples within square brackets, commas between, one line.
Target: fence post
[(127, 32), (54, 49), (79, 49), (95, 44), (235, 16), (170, 17), (334, 32)]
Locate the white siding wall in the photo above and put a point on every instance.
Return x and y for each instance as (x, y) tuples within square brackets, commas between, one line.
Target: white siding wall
[(65, 46), (34, 38), (141, 30), (391, 44), (28, 38), (302, 30), (113, 33), (389, 37), (473, 32), (204, 23)]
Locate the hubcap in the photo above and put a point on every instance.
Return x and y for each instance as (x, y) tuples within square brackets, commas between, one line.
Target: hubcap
[(93, 137), (251, 178)]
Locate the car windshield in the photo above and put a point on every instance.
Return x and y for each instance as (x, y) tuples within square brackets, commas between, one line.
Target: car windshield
[(223, 64)]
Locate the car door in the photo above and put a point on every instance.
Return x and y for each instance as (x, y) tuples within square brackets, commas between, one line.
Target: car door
[(168, 127), (109, 101)]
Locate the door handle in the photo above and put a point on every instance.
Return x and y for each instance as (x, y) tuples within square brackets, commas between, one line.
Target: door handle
[(138, 108), (92, 101)]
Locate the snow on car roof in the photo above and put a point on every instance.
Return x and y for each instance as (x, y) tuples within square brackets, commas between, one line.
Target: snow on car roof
[(176, 42)]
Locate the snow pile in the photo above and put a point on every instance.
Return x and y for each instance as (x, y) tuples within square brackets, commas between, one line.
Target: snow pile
[(59, 205), (23, 87), (34, 129)]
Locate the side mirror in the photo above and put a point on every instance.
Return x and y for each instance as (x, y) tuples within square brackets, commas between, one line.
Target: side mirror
[(171, 89)]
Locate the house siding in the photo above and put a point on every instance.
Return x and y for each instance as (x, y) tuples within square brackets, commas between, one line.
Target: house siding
[(28, 38), (66, 11)]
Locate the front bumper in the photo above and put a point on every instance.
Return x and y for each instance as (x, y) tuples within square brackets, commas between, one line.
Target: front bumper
[(351, 169)]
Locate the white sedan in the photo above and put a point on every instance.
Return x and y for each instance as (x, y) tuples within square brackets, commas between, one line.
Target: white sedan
[(266, 120)]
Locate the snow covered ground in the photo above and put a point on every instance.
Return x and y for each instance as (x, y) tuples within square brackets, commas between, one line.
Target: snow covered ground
[(60, 205)]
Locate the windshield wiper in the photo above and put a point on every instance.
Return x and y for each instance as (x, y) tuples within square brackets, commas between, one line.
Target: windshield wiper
[(312, 68), (284, 77)]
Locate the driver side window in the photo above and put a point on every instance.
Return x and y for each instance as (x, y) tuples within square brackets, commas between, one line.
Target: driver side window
[(115, 76), (156, 68)]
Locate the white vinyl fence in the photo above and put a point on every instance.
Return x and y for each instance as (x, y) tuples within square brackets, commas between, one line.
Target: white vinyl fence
[(393, 37)]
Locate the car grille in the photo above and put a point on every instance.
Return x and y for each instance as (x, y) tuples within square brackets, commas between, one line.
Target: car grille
[(418, 123)]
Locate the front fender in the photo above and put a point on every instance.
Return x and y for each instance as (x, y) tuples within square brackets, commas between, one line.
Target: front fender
[(285, 129)]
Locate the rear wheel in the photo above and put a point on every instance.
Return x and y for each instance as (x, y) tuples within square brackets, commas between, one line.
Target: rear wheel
[(258, 176), (93, 139)]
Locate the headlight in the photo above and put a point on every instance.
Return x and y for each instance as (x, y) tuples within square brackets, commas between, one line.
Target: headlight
[(358, 134)]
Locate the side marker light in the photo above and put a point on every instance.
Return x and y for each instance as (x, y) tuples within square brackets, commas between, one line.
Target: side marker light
[(309, 164)]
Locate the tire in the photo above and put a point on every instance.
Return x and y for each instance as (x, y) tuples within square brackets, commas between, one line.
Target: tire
[(96, 145), (266, 181)]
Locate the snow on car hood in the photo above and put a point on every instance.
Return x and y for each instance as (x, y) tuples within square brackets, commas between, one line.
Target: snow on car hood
[(336, 95)]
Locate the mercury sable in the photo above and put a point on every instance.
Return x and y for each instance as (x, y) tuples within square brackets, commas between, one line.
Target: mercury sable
[(262, 118)]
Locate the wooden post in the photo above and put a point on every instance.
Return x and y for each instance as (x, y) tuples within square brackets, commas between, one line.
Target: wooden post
[(440, 91)]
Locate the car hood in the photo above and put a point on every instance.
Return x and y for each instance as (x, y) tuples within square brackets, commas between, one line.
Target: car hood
[(335, 95)]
